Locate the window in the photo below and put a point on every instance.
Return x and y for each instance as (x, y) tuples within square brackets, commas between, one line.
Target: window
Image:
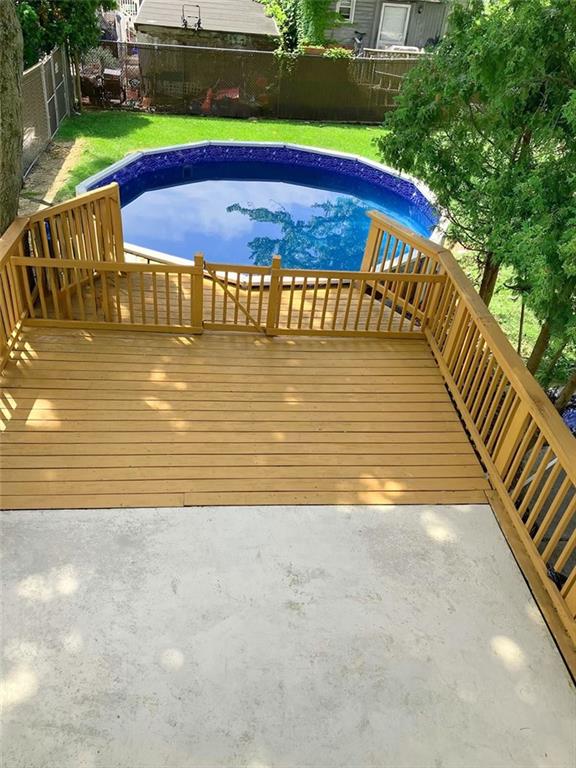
[(346, 9)]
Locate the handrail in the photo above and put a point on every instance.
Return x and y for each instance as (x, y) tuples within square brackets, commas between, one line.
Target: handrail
[(87, 228), (12, 308), (106, 266), (109, 190), (532, 394), (379, 221)]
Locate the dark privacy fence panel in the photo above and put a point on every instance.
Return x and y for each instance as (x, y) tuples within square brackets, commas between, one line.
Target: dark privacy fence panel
[(240, 83)]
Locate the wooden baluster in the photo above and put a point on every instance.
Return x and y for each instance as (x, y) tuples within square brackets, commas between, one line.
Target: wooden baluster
[(27, 292), (373, 245), (179, 289), (197, 294), (168, 297)]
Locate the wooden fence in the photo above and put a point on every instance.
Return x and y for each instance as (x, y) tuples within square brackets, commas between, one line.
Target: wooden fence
[(224, 82), (66, 266)]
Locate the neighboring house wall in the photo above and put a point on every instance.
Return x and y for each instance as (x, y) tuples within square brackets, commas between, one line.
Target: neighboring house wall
[(363, 21), (205, 38), (428, 25), (427, 22)]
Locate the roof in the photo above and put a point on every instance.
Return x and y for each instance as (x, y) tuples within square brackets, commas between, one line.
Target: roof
[(242, 16)]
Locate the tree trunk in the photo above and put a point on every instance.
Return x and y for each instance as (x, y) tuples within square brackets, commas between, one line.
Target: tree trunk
[(77, 82), (566, 393), (554, 360), (539, 349), (489, 277), (11, 131)]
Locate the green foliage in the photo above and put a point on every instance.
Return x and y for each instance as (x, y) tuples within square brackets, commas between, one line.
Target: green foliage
[(100, 59), (488, 121), (48, 23), (337, 53), (315, 18), (285, 14), (301, 22)]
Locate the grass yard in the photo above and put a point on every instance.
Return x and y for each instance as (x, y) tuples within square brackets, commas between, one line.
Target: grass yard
[(108, 136)]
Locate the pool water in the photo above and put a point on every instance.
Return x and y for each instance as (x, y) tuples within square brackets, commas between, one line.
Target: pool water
[(244, 213)]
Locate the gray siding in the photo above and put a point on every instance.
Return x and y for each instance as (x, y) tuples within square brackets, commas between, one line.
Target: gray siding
[(427, 25), (363, 21), (423, 26)]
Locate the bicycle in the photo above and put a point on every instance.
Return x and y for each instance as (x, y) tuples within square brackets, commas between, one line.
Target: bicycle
[(358, 50)]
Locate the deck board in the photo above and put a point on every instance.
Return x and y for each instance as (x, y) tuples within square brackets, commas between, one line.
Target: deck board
[(104, 419)]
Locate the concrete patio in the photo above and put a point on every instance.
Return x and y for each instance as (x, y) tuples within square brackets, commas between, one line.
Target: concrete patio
[(257, 637)]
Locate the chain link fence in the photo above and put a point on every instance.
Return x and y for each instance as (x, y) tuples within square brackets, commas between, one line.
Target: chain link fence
[(47, 96), (241, 83)]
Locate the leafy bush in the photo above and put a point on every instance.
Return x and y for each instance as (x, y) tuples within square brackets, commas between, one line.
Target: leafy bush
[(337, 53)]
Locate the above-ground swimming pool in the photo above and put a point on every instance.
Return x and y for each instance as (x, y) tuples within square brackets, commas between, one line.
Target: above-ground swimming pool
[(243, 203)]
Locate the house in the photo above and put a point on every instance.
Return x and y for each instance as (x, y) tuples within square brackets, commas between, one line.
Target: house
[(385, 23), (212, 23)]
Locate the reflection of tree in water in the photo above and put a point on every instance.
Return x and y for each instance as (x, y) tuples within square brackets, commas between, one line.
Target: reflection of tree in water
[(333, 238)]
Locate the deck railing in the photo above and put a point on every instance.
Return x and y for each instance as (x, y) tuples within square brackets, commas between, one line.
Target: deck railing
[(527, 449), (87, 228), (525, 446), (12, 308), (173, 297), (65, 267)]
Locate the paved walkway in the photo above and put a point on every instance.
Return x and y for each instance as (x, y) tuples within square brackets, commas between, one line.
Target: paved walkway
[(297, 637)]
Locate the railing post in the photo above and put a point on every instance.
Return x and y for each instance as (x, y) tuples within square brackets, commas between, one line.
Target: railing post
[(117, 229), (569, 593), (515, 431), (197, 294), (454, 335), (274, 296), (373, 245)]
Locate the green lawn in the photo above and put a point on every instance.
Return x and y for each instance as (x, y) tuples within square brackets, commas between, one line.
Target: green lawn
[(108, 136)]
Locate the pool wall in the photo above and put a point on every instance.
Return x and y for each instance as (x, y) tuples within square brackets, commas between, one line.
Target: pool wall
[(161, 163)]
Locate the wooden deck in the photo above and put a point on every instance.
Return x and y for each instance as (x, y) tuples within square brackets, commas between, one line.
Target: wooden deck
[(103, 418), (351, 406)]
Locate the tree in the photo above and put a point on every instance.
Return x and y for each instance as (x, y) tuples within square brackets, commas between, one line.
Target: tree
[(49, 23), (566, 393), (316, 17), (301, 22), (481, 112), (10, 113)]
